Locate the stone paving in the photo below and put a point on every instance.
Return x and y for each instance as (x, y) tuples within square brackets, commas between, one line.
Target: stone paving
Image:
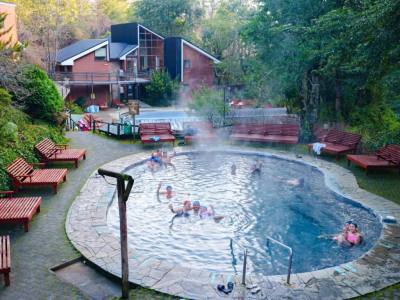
[(86, 226), (46, 243)]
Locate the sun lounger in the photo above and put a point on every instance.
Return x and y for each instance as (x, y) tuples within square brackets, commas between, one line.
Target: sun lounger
[(50, 152), (5, 258), (156, 133), (23, 174)]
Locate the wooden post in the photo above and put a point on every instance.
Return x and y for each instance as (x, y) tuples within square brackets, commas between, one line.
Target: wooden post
[(123, 195)]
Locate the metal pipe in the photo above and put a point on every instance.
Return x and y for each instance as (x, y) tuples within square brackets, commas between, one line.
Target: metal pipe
[(290, 255), (244, 267)]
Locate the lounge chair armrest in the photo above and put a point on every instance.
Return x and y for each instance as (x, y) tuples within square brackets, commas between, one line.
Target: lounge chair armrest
[(61, 146), (40, 165), (24, 176)]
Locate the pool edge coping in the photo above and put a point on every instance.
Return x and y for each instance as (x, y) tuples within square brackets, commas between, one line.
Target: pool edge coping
[(86, 227)]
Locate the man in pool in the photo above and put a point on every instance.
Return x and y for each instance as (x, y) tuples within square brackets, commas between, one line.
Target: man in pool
[(256, 168)]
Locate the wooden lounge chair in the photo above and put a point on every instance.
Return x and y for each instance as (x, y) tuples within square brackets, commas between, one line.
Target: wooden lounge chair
[(50, 152), (156, 133), (23, 174), (5, 258), (387, 157), (339, 142), (19, 209), (267, 133)]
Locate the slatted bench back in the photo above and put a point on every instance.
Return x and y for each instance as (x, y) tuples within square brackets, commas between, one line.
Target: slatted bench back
[(155, 128), (19, 167), (390, 153), (267, 129), (342, 138), (5, 255), (46, 148)]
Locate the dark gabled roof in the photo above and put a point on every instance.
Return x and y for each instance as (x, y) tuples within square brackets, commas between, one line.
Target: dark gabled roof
[(119, 49), (77, 48)]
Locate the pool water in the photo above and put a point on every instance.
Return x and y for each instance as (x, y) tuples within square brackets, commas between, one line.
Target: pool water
[(254, 206)]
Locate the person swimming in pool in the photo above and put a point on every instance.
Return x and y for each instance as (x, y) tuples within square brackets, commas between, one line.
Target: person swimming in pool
[(296, 182), (168, 193), (233, 169), (257, 166), (205, 212), (166, 159), (182, 212), (154, 162), (350, 234)]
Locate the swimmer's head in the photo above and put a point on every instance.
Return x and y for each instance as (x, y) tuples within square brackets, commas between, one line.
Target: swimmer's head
[(169, 188), (196, 205), (353, 227)]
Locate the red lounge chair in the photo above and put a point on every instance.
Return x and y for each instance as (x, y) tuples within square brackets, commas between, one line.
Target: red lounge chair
[(268, 133), (201, 131), (339, 142), (385, 158), (156, 133), (23, 174), (5, 258), (18, 210), (50, 152)]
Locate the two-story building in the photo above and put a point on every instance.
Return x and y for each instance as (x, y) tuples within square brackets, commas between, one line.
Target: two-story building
[(111, 70)]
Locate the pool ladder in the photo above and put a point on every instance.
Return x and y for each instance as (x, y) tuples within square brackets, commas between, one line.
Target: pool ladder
[(245, 253)]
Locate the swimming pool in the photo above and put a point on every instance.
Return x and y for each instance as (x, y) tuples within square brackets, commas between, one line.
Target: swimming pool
[(253, 206)]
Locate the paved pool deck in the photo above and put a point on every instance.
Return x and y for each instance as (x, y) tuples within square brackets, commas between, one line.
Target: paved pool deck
[(86, 227), (46, 243)]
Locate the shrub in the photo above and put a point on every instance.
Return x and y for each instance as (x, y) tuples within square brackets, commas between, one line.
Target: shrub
[(209, 103), (44, 101), (74, 108), (161, 89)]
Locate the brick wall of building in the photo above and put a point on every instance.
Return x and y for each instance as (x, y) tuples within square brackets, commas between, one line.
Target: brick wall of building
[(201, 70), (10, 21)]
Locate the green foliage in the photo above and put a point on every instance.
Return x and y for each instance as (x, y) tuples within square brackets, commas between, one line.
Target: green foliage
[(74, 108), (168, 17), (161, 89), (44, 101), (209, 103), (18, 136)]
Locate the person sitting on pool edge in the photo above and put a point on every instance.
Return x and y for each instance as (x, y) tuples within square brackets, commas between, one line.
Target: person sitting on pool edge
[(166, 159), (204, 212), (154, 162)]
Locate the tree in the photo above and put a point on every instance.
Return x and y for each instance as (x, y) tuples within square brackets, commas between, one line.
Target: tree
[(44, 101), (118, 11), (161, 89), (168, 17), (5, 45)]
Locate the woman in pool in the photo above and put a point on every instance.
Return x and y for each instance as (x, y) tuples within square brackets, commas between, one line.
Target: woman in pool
[(154, 162), (168, 193), (350, 234), (182, 212)]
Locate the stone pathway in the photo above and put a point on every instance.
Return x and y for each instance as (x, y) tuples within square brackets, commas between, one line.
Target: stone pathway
[(46, 243)]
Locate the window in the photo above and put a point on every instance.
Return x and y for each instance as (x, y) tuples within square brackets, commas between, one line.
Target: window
[(100, 54), (187, 64)]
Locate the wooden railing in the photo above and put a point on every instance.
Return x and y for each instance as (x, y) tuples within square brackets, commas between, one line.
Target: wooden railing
[(96, 77)]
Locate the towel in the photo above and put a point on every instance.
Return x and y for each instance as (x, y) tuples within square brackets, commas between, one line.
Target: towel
[(155, 138), (317, 147)]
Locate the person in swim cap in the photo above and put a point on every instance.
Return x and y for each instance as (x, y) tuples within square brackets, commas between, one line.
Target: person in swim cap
[(184, 211), (168, 193)]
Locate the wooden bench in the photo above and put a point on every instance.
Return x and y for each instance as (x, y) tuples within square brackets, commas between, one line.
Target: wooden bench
[(50, 152), (387, 157), (5, 258), (19, 209), (198, 131), (339, 142), (23, 174), (268, 133), (156, 133)]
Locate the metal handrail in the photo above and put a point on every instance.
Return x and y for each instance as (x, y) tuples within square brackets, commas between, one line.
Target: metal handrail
[(244, 260), (290, 255)]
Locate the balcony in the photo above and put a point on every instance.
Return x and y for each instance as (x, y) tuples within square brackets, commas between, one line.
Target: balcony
[(99, 78)]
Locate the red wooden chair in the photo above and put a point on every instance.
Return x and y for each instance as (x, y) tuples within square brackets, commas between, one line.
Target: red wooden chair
[(339, 142), (18, 209), (156, 133), (50, 152), (387, 157), (5, 258), (23, 174), (267, 133)]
